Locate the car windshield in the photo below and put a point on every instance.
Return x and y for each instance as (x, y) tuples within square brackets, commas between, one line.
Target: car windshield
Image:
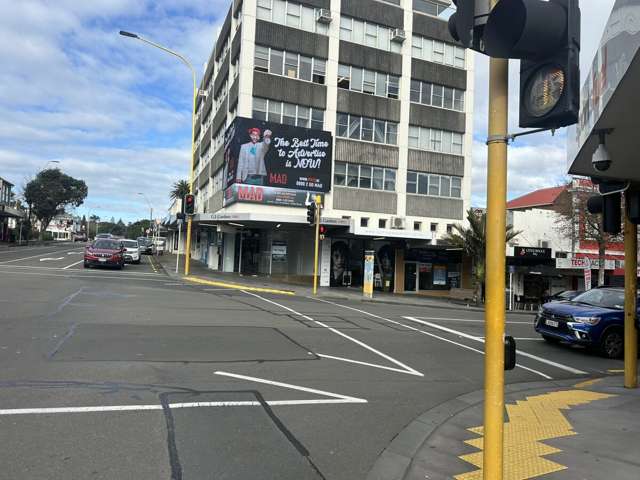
[(107, 245), (130, 243), (602, 297)]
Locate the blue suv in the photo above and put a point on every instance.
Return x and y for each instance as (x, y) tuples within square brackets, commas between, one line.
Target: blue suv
[(594, 319)]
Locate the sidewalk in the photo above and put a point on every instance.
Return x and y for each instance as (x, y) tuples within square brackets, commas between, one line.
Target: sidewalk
[(168, 262), (562, 430)]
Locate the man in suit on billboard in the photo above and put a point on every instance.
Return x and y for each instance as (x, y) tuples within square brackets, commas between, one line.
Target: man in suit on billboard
[(251, 166)]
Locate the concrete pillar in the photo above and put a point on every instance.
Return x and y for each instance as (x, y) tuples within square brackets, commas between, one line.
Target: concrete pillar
[(398, 284)]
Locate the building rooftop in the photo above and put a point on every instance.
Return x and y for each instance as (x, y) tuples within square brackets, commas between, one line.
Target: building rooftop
[(2, 180), (538, 198)]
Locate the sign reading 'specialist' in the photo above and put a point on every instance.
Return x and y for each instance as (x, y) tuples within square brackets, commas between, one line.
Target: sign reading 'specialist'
[(268, 154)]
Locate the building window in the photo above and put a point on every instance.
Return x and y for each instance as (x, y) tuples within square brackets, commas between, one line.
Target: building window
[(438, 52), (369, 34), (417, 226), (364, 222), (435, 140), (287, 113), (434, 185), (292, 65), (367, 129), (434, 227), (449, 228), (364, 176), (291, 14), (367, 81), (437, 95), (382, 223)]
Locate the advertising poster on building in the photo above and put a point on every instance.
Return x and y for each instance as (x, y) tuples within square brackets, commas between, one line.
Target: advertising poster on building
[(271, 154), (587, 278), (339, 262), (367, 287), (267, 196), (439, 274), (325, 264), (279, 251)]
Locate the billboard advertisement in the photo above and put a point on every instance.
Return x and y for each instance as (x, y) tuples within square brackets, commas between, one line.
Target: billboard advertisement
[(274, 155), (283, 197)]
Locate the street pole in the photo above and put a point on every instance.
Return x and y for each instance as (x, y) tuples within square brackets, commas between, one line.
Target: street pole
[(317, 243), (178, 252), (495, 269), (630, 287)]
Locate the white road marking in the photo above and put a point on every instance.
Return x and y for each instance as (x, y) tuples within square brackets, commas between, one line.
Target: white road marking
[(471, 320), (348, 360), (73, 264), (75, 253), (405, 368), (80, 274), (127, 272), (35, 256), (429, 334), (48, 259), (338, 396), (480, 339)]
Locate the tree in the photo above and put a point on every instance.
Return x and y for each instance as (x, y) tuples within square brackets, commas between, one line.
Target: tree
[(472, 240), (576, 223), (50, 192), (138, 228), (179, 190), (118, 229)]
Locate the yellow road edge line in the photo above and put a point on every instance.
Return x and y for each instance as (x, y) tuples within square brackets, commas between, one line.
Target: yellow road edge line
[(236, 286), (587, 383), (615, 370)]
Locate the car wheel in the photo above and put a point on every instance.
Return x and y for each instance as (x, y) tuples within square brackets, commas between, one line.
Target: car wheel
[(550, 339), (612, 344)]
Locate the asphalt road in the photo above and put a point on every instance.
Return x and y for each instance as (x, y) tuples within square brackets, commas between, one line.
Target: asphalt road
[(129, 374)]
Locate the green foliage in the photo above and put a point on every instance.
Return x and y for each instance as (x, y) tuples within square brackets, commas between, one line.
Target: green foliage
[(50, 192), (179, 190), (137, 229)]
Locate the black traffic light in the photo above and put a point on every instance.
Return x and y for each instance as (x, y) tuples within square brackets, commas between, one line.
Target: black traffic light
[(545, 35), (632, 202), (189, 204), (509, 352), (610, 207), (311, 213), (462, 21)]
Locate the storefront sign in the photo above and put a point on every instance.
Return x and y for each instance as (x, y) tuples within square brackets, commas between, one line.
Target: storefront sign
[(439, 275), (532, 252), (325, 263), (587, 279), (367, 288), (279, 251), (583, 263), (266, 196), (276, 155)]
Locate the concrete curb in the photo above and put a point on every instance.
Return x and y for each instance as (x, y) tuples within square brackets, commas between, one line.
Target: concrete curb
[(395, 460)]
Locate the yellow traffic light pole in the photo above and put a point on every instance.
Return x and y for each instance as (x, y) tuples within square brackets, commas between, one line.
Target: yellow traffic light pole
[(187, 249), (495, 269), (630, 294), (317, 240)]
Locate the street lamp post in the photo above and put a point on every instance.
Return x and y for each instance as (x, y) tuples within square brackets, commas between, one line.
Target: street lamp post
[(150, 209), (187, 256)]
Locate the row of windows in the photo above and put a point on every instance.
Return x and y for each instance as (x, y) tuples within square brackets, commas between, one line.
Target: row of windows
[(289, 64), (364, 176), (367, 81), (438, 52), (291, 14), (369, 34), (430, 8), (287, 113), (368, 129), (435, 140), (437, 95), (434, 185), (417, 226)]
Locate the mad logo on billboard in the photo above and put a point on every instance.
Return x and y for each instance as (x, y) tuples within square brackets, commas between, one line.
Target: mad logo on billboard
[(250, 194)]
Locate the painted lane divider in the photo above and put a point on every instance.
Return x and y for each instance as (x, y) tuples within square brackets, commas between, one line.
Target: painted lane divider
[(51, 259)]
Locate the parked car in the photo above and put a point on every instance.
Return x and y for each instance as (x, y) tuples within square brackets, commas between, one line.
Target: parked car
[(146, 245), (104, 235), (79, 237), (564, 295), (594, 319), (104, 252), (159, 245), (132, 251)]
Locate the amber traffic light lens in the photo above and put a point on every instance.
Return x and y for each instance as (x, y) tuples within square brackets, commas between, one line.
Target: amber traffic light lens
[(544, 90)]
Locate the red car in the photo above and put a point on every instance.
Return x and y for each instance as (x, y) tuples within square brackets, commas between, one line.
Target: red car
[(104, 252)]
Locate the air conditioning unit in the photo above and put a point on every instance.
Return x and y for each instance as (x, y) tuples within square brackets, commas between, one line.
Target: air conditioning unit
[(398, 223), (398, 35), (323, 15)]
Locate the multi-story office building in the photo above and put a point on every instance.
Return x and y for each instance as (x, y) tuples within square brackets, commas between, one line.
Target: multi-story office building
[(393, 94)]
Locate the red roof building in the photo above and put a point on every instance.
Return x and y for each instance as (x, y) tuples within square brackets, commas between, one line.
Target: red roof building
[(545, 197)]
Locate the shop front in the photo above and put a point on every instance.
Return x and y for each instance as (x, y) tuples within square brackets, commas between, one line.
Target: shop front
[(431, 269)]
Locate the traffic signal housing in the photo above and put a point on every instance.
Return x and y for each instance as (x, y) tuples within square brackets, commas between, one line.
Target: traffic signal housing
[(189, 204), (311, 213), (610, 207)]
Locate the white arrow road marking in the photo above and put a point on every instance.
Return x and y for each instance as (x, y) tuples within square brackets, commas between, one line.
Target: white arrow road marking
[(481, 340), (74, 253), (336, 396), (52, 259), (404, 368)]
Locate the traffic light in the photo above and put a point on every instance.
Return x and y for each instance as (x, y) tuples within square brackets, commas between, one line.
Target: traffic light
[(189, 204), (632, 202), (311, 213), (545, 36), (609, 206)]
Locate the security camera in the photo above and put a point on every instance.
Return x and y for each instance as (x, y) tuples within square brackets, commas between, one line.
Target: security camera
[(601, 159)]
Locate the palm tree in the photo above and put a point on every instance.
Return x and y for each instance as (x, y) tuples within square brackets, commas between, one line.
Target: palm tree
[(472, 241), (179, 190)]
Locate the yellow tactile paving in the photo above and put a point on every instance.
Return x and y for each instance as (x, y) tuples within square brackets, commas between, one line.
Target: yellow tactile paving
[(236, 286), (531, 421)]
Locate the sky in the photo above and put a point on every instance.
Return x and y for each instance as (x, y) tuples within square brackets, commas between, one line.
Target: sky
[(116, 113)]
